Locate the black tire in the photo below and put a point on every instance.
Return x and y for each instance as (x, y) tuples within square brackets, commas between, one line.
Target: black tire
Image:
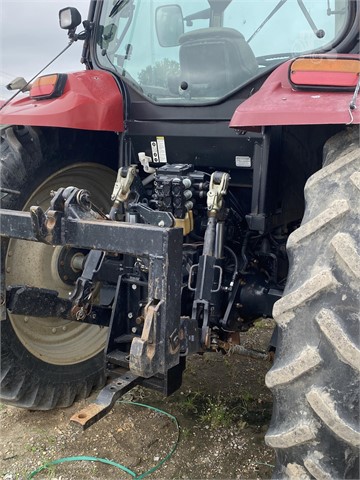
[(45, 363), (315, 377)]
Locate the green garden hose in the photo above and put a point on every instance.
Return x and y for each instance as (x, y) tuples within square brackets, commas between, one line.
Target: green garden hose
[(114, 464)]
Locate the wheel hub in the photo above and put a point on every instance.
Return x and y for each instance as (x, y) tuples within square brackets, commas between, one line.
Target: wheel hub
[(70, 264)]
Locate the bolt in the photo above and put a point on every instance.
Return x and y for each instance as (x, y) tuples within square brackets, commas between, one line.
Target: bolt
[(10, 253), (53, 330), (26, 319), (134, 287), (65, 277), (77, 262), (64, 328), (161, 223), (134, 329), (8, 270), (130, 315)]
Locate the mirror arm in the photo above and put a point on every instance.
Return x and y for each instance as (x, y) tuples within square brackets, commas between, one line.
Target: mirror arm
[(202, 15), (74, 37)]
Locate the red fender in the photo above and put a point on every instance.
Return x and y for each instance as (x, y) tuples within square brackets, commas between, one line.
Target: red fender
[(277, 103), (91, 101)]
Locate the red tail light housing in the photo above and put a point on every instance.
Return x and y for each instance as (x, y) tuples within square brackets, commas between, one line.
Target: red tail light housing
[(48, 86)]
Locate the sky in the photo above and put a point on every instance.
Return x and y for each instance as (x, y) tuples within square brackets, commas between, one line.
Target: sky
[(30, 36)]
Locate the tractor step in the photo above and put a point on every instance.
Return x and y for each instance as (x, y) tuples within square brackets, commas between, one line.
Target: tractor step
[(117, 357), (126, 338)]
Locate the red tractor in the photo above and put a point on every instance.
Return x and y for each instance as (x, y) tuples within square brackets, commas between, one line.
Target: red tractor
[(153, 207)]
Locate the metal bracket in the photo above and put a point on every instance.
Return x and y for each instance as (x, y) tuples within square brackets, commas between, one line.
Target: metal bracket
[(153, 217), (82, 294), (144, 160), (189, 336), (124, 180), (219, 183), (145, 352)]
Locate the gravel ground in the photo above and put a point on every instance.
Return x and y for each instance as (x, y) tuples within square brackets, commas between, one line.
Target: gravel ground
[(223, 409)]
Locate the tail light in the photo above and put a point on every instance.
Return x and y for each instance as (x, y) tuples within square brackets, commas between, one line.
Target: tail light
[(48, 86), (324, 73)]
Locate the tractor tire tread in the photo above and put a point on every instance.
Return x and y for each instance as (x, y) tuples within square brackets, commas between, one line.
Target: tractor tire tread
[(21, 160), (315, 374)]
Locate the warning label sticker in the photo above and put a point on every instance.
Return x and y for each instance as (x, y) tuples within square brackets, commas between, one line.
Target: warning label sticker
[(243, 161), (161, 149)]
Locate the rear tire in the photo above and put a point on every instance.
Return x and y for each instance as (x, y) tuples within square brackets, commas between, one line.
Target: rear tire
[(315, 377), (45, 362)]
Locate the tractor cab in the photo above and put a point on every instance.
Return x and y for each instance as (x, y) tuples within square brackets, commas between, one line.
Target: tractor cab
[(201, 52)]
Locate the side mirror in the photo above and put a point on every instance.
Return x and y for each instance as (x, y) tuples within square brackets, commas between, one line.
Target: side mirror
[(169, 23), (19, 83), (69, 18)]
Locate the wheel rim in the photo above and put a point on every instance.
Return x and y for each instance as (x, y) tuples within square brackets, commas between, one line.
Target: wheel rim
[(54, 340)]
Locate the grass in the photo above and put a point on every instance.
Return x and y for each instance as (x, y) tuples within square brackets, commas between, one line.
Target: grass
[(218, 411), (217, 414), (246, 399), (30, 447), (48, 472), (191, 402), (185, 432), (264, 323)]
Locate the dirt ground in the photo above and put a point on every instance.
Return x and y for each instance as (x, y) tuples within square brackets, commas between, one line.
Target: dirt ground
[(223, 409)]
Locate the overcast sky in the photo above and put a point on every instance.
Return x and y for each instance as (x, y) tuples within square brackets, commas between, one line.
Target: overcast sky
[(30, 36)]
